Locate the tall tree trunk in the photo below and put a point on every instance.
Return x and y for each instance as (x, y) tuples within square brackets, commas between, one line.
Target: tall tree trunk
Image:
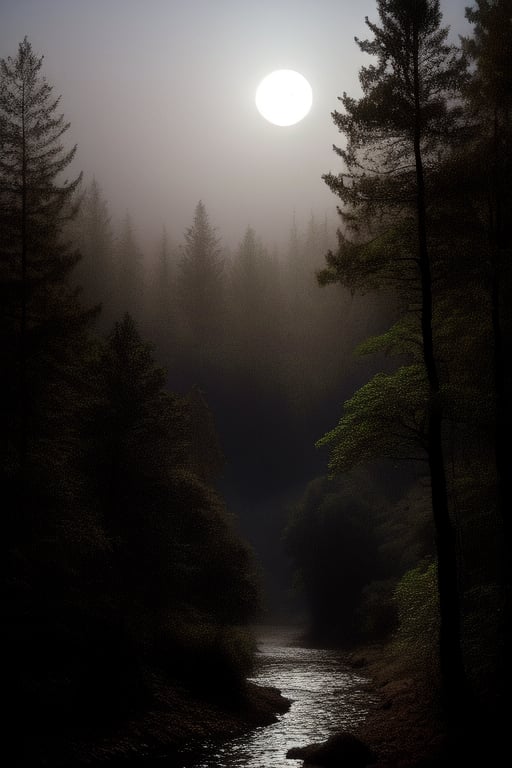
[(450, 645), (23, 394), (497, 236)]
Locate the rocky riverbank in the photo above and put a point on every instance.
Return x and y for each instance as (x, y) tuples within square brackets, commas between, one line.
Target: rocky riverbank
[(405, 727)]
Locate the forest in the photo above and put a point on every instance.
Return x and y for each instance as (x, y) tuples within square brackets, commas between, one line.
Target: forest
[(200, 439)]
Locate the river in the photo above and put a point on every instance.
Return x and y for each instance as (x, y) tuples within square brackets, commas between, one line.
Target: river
[(327, 696)]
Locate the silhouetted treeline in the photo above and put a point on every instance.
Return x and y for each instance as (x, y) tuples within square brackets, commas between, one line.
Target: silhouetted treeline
[(120, 561), (255, 316), (251, 328)]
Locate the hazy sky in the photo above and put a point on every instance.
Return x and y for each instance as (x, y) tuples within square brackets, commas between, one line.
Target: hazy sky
[(160, 95)]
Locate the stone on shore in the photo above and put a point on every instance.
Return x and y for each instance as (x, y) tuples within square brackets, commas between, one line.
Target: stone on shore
[(340, 751)]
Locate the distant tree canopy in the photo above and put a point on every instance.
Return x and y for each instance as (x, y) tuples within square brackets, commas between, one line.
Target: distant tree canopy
[(331, 542), (121, 562), (92, 231), (130, 270), (163, 309), (201, 287)]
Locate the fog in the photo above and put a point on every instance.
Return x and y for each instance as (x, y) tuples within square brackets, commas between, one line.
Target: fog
[(160, 100), (225, 415), (160, 96)]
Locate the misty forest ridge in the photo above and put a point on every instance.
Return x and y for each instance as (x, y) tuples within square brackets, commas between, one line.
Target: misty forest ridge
[(230, 400)]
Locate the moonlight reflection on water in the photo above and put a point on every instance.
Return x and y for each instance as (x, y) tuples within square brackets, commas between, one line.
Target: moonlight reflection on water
[(327, 697)]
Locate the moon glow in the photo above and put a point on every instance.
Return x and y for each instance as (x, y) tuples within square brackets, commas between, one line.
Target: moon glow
[(284, 97)]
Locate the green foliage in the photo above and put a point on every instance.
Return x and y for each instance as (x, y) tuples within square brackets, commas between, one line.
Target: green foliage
[(417, 601), (377, 614), (382, 256), (401, 339), (385, 418), (398, 135)]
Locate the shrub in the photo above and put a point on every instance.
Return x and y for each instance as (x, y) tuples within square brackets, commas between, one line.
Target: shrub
[(416, 640)]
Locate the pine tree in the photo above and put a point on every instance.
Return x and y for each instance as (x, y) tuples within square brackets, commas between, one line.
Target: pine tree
[(42, 320), (400, 129), (161, 307), (201, 290), (93, 234), (153, 456), (130, 271), (163, 280), (247, 303), (48, 539)]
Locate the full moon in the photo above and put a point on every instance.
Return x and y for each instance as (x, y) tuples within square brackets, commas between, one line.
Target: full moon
[(284, 97)]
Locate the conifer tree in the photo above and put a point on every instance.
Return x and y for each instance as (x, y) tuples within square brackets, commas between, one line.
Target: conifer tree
[(41, 317), (405, 122), (94, 238), (247, 304), (161, 306), (47, 534), (201, 290), (163, 279), (130, 271), (154, 457)]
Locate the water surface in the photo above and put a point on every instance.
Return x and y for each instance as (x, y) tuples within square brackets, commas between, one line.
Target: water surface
[(327, 696)]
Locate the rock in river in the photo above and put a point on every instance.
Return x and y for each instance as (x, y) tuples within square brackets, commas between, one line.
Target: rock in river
[(340, 751)]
